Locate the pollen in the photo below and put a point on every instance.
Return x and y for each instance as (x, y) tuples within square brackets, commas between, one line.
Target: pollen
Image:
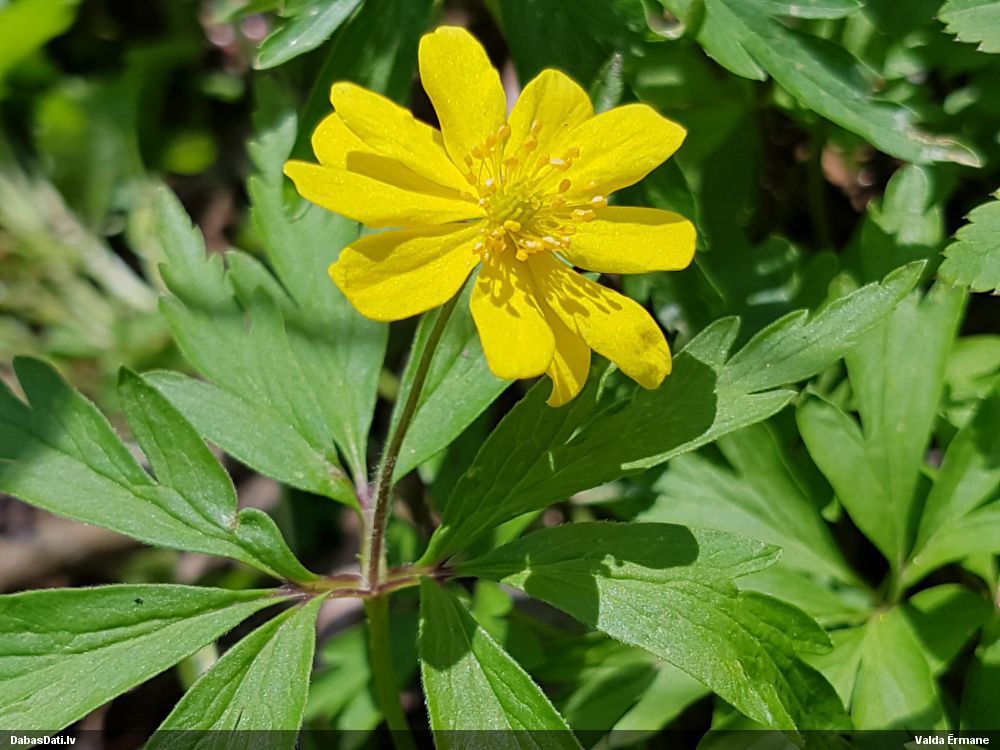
[(529, 209)]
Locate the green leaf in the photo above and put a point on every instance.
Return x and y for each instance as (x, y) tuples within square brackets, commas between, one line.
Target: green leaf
[(799, 345), (829, 602), (27, 25), (670, 692), (579, 39), (311, 24), (810, 8), (747, 38), (894, 688), (973, 259), (260, 685), (301, 241), (973, 21), (896, 373), (970, 470), (905, 225), (979, 699), (281, 370), (376, 48), (59, 453), (974, 533), (670, 590), (471, 683), (341, 690), (538, 454), (66, 652), (458, 388), (944, 618), (761, 497), (259, 437)]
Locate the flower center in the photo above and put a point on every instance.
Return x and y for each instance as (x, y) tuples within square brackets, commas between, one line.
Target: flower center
[(526, 208)]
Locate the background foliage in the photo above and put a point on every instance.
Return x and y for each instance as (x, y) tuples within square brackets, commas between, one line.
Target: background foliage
[(799, 529)]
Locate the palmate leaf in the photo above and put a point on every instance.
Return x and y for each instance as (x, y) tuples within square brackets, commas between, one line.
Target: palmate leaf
[(896, 373), (883, 674), (670, 590), (761, 497), (59, 453), (748, 38), (973, 21), (472, 685), (288, 375), (261, 684), (973, 259), (306, 374), (539, 455), (64, 652)]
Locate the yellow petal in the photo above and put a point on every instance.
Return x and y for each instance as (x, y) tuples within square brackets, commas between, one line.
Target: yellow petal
[(338, 146), (618, 148), (392, 131), (571, 363), (517, 340), (557, 104), (610, 323), (464, 88), (632, 240), (375, 203), (334, 143), (394, 275)]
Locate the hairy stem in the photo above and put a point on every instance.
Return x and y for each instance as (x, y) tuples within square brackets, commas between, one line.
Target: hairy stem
[(374, 554), (386, 686)]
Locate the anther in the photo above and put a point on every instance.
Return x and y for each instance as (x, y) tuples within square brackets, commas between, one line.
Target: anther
[(504, 133), (535, 127), (512, 226), (572, 153), (478, 152), (560, 165), (584, 214), (530, 144), (468, 161), (564, 186), (599, 201)]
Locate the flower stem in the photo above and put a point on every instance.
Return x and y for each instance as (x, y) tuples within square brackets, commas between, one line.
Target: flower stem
[(386, 687), (374, 556)]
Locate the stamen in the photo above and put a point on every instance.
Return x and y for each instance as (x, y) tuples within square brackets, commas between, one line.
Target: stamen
[(564, 186), (599, 201), (512, 226), (584, 214)]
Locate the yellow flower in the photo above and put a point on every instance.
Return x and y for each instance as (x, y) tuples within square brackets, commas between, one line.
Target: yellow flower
[(520, 197)]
